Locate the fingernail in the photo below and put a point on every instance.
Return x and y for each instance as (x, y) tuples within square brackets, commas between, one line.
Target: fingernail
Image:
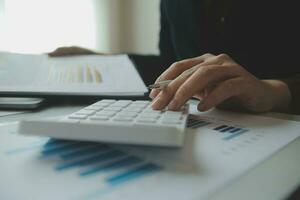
[(173, 105), (202, 107), (156, 103), (151, 95)]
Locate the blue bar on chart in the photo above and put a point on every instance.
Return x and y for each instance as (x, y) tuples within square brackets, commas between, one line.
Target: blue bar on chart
[(54, 142), (132, 173), (240, 132), (227, 129), (219, 128), (117, 164), (70, 149), (196, 123), (53, 150), (92, 159), (234, 130), (230, 132), (85, 150)]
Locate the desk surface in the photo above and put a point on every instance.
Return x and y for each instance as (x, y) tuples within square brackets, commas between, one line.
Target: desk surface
[(273, 179)]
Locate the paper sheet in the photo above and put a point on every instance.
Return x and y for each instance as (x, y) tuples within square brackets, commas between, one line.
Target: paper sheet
[(74, 75), (219, 148)]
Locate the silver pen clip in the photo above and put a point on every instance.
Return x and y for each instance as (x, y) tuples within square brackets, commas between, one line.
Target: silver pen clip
[(160, 85)]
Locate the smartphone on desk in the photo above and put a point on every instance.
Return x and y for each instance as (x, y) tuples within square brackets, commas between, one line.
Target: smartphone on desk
[(20, 102)]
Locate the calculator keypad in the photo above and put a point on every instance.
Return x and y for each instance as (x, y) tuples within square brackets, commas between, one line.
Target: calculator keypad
[(126, 111)]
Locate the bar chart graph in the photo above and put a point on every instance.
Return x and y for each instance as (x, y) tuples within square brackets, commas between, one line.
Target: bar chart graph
[(48, 168), (228, 132), (91, 159), (115, 167), (77, 74)]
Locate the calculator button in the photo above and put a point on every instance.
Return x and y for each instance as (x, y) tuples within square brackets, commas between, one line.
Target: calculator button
[(149, 115), (117, 107), (174, 117), (141, 102), (133, 109), (124, 101), (99, 118), (141, 106), (112, 109), (130, 111), (101, 105), (121, 103), (128, 114), (95, 108), (170, 121), (168, 112), (106, 113), (171, 118), (152, 111), (85, 112), (108, 101), (99, 109), (121, 106)]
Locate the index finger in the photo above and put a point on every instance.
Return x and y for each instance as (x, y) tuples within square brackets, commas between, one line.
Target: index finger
[(176, 69), (199, 81)]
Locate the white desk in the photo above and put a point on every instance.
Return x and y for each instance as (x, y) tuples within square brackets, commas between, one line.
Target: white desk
[(273, 179)]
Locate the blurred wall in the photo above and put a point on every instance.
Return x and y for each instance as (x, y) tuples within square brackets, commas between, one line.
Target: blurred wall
[(1, 16), (127, 26), (108, 26)]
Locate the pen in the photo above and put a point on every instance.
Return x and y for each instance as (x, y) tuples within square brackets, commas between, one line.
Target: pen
[(162, 84), (159, 85)]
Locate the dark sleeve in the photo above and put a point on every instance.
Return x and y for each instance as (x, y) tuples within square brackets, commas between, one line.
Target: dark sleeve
[(294, 86), (151, 66)]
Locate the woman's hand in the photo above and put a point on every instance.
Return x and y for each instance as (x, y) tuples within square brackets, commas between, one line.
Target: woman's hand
[(217, 80), (71, 51)]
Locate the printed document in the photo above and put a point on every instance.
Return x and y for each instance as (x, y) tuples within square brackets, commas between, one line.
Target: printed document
[(219, 148), (90, 75)]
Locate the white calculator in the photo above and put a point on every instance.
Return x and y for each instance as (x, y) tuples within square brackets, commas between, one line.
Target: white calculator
[(115, 121)]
